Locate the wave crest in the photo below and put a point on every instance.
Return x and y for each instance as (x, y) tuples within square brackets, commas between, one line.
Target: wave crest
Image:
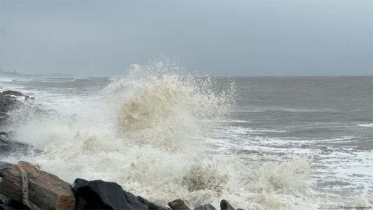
[(163, 107)]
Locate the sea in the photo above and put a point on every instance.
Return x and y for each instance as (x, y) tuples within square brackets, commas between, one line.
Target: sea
[(162, 133)]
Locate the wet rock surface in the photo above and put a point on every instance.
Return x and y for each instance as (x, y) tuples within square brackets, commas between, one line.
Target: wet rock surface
[(225, 205), (205, 207), (34, 188), (178, 205), (7, 103), (9, 204), (11, 93), (11, 102), (108, 195), (24, 186), (3, 167), (9, 146)]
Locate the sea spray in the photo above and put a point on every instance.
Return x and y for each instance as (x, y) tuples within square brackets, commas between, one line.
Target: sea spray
[(146, 132), (200, 177), (165, 108)]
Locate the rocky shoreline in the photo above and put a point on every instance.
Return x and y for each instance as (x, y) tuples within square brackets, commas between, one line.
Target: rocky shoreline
[(26, 186), (9, 101)]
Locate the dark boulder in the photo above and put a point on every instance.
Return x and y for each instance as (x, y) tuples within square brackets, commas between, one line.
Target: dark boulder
[(10, 204), (205, 207), (107, 195), (178, 205), (5, 207), (21, 107), (224, 205), (16, 94), (22, 111), (3, 199), (11, 93), (8, 103), (9, 146), (3, 167)]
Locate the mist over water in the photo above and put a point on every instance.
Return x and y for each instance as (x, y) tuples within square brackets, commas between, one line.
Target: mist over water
[(163, 134)]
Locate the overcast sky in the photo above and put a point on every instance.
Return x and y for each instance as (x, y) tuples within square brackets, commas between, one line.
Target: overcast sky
[(250, 38)]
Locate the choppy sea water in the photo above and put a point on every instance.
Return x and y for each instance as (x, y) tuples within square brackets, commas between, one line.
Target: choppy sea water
[(259, 142)]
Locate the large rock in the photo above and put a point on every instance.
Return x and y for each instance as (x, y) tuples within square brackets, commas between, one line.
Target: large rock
[(4, 167), (35, 188), (7, 103), (224, 205), (11, 93), (22, 106), (205, 207), (178, 205), (16, 94), (9, 146), (9, 204), (3, 199), (12, 102), (108, 195)]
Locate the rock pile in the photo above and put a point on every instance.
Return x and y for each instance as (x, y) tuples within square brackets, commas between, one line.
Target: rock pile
[(9, 146), (24, 186), (9, 101)]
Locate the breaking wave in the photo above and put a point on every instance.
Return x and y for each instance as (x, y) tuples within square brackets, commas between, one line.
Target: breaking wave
[(369, 125), (165, 108), (146, 132)]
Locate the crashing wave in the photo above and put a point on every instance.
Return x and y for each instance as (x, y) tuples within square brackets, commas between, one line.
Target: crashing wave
[(165, 108), (146, 132)]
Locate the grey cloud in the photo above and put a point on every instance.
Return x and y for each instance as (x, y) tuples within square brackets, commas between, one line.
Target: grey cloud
[(251, 38)]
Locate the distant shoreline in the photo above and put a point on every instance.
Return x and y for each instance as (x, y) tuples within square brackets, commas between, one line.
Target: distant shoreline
[(9, 74), (15, 74)]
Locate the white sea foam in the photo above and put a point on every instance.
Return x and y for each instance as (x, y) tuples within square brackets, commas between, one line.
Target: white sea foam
[(147, 131), (368, 125), (6, 79)]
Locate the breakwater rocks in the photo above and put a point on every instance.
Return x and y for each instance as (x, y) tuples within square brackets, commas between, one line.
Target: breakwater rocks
[(25, 186), (9, 146), (10, 101), (16, 108)]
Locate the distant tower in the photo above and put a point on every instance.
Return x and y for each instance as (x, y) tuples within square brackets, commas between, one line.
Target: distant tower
[(15, 71)]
